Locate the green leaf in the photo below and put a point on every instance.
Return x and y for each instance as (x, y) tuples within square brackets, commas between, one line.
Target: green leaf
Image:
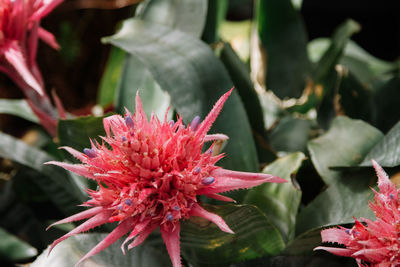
[(13, 249), (53, 180), (386, 152), (154, 99), (18, 217), (68, 253), (280, 202), (18, 108), (365, 67), (353, 98), (348, 197), (188, 16), (204, 244), (77, 132), (320, 258), (291, 134), (345, 144), (386, 102), (188, 70), (240, 75), (110, 78), (216, 13), (284, 39), (333, 54), (304, 243)]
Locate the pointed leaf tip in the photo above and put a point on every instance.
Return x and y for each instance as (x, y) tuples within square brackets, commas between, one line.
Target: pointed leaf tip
[(199, 211), (213, 114), (172, 242)]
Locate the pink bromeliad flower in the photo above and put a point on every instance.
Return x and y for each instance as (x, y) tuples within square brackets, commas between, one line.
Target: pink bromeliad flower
[(149, 175), (19, 33), (375, 243)]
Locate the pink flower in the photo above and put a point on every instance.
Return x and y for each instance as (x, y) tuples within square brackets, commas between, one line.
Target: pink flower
[(149, 175), (19, 33), (376, 243)]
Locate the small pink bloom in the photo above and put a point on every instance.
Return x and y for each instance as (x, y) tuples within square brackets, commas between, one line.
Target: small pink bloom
[(19, 33), (372, 243), (150, 174)]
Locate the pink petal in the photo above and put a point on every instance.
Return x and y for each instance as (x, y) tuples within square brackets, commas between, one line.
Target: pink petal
[(384, 183), (226, 180), (142, 236), (138, 228), (139, 111), (116, 234), (79, 216), (76, 168), (60, 108), (15, 57), (44, 10), (75, 153), (113, 122), (171, 240), (220, 197), (335, 235), (212, 137), (48, 38), (33, 42), (248, 176), (97, 220), (197, 210), (212, 116), (372, 254), (337, 251)]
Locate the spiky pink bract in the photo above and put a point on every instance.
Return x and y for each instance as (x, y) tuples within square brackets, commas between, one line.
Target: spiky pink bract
[(374, 243), (151, 176)]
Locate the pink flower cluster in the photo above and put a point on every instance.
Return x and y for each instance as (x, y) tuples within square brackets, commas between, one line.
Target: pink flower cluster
[(372, 243), (19, 33), (150, 174)]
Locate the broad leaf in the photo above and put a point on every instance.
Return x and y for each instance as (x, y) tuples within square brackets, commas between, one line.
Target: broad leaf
[(353, 99), (13, 249), (291, 134), (77, 133), (386, 152), (345, 144), (204, 244), (18, 108), (304, 243), (188, 16), (110, 78), (386, 102), (188, 70), (68, 253), (318, 259), (347, 198), (283, 37), (280, 202), (53, 180), (216, 13), (363, 65), (240, 75), (136, 78), (332, 55)]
